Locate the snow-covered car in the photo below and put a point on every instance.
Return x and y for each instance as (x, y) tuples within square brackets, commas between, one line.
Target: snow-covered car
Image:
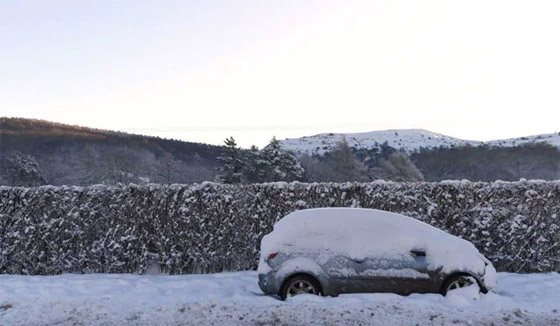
[(331, 251)]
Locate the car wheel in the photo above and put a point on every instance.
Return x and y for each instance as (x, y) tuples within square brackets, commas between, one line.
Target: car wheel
[(456, 282), (299, 284)]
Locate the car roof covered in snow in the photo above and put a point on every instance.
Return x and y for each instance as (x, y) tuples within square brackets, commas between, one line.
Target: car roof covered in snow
[(359, 233), (354, 220)]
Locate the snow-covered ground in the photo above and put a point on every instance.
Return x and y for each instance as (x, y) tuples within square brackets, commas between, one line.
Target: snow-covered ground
[(235, 299), (409, 140)]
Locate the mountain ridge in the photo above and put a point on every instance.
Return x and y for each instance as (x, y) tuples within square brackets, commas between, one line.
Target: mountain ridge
[(407, 140), (73, 155)]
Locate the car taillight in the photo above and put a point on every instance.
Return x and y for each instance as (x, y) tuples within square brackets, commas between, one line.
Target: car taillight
[(272, 255)]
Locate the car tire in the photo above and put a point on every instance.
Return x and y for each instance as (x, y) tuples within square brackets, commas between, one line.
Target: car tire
[(299, 284), (458, 281)]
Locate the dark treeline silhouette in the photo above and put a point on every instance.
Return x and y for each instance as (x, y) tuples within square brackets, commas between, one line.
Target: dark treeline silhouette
[(487, 163), (72, 155), (38, 152)]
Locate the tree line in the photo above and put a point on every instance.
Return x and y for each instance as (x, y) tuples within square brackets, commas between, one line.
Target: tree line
[(123, 165), (272, 163)]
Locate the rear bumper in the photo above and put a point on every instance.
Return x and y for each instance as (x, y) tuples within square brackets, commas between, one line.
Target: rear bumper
[(267, 284)]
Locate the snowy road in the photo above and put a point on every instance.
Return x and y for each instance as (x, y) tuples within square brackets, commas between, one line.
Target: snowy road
[(235, 299)]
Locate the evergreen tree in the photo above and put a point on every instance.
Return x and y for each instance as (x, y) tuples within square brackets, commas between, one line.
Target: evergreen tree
[(279, 164), (233, 164), (255, 166), (386, 150)]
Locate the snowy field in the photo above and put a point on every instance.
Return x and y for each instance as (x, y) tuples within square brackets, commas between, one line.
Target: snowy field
[(235, 299)]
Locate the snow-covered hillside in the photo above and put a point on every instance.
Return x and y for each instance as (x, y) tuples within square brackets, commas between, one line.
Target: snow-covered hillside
[(409, 140), (235, 299), (552, 139)]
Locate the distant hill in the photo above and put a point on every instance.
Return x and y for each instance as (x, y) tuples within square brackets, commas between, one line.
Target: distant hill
[(74, 155), (441, 157), (407, 140), (44, 152)]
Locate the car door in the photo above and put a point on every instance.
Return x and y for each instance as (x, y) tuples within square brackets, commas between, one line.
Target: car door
[(402, 273), (337, 267), (414, 275)]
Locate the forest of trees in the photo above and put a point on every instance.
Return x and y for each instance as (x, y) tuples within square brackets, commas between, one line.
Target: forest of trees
[(253, 166), (488, 163), (36, 152), (340, 165)]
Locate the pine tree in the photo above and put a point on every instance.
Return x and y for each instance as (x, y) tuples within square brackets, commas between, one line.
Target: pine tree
[(280, 165), (231, 172), (386, 150), (255, 166)]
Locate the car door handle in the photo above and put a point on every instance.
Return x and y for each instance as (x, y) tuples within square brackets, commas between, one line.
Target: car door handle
[(359, 261), (418, 252)]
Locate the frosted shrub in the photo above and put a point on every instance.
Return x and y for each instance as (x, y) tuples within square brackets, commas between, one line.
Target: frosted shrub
[(210, 227)]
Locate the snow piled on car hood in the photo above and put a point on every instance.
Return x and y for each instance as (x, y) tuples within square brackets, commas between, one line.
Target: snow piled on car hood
[(359, 233)]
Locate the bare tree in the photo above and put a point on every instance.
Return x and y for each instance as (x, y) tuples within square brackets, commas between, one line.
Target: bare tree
[(121, 166), (88, 163), (316, 169), (397, 167), (346, 165), (168, 169), (23, 170)]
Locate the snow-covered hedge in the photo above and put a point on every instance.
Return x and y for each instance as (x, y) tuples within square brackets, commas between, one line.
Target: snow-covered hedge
[(212, 227)]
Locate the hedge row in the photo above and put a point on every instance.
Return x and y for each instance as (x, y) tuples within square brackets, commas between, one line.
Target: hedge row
[(209, 227)]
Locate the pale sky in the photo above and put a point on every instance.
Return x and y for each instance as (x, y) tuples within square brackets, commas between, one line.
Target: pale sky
[(204, 70)]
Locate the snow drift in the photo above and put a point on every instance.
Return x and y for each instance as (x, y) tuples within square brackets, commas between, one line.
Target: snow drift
[(235, 299)]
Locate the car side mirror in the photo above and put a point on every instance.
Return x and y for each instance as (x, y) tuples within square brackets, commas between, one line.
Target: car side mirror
[(418, 252)]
